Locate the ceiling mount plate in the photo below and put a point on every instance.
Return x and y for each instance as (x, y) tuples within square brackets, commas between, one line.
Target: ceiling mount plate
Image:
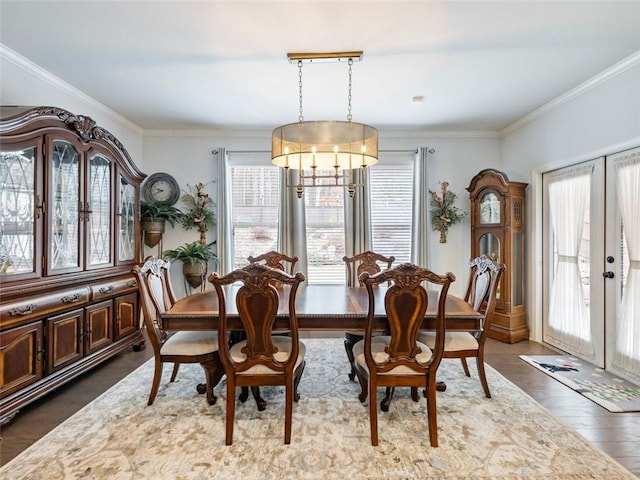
[(326, 57)]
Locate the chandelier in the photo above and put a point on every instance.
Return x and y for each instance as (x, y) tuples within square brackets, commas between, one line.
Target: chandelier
[(326, 152)]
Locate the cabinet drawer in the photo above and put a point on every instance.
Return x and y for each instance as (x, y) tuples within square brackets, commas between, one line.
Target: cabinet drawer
[(39, 306), (113, 288)]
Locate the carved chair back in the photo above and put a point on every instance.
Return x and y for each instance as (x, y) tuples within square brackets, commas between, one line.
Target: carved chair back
[(366, 262)]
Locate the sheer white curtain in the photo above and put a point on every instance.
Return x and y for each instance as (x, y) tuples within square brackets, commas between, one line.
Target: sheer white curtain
[(569, 323), (420, 221), (627, 354), (224, 236), (292, 228)]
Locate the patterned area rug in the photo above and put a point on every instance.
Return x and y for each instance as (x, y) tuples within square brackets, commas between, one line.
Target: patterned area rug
[(611, 392), (180, 437)]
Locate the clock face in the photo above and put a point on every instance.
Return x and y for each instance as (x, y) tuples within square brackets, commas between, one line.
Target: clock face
[(161, 188), (490, 209)]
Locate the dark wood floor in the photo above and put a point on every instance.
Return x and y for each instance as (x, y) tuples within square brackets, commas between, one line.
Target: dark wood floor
[(617, 434)]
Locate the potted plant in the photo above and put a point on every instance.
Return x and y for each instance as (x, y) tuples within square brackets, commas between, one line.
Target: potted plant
[(195, 258), (153, 217), (199, 212)]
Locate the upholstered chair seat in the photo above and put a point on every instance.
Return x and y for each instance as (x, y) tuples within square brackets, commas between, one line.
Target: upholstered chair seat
[(453, 341), (190, 343), (283, 344), (380, 356)]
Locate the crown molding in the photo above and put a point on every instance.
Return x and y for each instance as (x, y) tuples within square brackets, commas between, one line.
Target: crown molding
[(27, 65), (615, 70), (262, 133)]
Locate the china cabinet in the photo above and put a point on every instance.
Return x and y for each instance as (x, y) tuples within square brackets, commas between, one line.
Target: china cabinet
[(498, 230), (69, 237)]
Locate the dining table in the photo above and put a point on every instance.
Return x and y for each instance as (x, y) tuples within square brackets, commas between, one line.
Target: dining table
[(319, 307)]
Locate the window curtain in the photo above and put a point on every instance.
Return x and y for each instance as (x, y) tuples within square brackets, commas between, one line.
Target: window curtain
[(292, 236), (569, 322), (224, 241), (627, 352), (357, 220), (420, 220)]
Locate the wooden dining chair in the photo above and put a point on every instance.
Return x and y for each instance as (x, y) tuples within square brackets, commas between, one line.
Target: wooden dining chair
[(481, 294), (163, 296), (263, 358), (372, 263), (276, 260), (399, 359), (182, 347)]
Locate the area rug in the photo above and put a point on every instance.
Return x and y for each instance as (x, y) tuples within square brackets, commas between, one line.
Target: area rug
[(118, 436), (607, 390)]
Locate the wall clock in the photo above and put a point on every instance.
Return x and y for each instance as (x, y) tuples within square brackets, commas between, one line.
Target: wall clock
[(161, 188)]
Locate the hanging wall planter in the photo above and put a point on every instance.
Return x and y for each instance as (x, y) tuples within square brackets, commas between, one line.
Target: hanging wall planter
[(200, 213), (443, 213), (153, 218)]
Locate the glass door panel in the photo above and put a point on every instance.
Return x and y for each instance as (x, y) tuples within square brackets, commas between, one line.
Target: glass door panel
[(19, 210), (621, 270), (126, 220), (64, 198), (574, 248), (97, 211)]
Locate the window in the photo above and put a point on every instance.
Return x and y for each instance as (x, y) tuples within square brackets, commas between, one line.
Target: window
[(255, 194), (391, 205), (325, 234)]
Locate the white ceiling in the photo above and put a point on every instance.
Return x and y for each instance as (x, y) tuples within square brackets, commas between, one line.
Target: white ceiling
[(222, 64)]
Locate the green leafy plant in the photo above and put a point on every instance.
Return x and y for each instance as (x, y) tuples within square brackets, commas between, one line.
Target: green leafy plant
[(155, 211), (443, 212), (191, 253)]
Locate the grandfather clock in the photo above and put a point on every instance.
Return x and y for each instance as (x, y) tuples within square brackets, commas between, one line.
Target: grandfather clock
[(497, 230)]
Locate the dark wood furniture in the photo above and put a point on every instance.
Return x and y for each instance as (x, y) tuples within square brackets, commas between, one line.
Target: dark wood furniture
[(276, 260), (481, 295), (182, 347), (398, 359), (318, 308), (498, 231), (263, 358), (69, 238), (363, 262)]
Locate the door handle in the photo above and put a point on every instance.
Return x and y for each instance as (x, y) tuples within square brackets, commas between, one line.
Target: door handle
[(608, 274)]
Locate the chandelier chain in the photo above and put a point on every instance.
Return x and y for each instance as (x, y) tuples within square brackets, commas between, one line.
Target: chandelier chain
[(349, 97), (300, 116)]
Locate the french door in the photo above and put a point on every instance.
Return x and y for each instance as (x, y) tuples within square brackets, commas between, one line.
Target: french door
[(591, 247)]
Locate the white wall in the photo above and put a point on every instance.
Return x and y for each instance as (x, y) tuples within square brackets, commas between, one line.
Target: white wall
[(187, 156), (24, 83), (602, 119)]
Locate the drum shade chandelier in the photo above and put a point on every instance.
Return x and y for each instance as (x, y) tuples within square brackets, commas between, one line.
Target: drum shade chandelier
[(325, 152)]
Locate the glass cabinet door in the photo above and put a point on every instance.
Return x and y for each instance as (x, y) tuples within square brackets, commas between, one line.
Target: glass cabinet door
[(126, 220), (21, 208), (97, 211), (64, 215)]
